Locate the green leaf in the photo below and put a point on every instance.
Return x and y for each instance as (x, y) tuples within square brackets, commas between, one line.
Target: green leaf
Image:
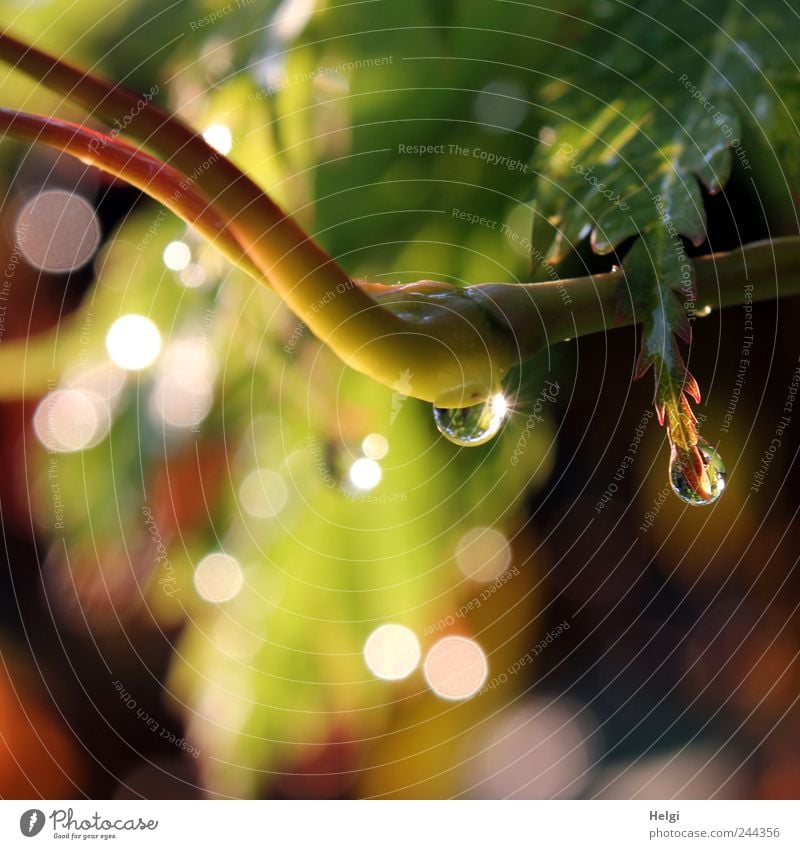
[(653, 101)]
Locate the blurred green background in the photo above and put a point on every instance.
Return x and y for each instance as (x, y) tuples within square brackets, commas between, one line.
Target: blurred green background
[(206, 519)]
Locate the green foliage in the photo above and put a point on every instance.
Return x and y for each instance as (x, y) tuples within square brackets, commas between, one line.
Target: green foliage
[(650, 100)]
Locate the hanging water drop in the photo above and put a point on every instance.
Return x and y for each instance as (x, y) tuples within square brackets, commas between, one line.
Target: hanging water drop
[(711, 478), (468, 426)]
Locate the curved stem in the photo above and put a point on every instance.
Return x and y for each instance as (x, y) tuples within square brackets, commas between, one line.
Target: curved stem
[(292, 262), (175, 142), (310, 282), (386, 342)]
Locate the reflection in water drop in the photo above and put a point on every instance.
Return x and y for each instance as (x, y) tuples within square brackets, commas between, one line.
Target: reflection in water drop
[(475, 425), (711, 481)]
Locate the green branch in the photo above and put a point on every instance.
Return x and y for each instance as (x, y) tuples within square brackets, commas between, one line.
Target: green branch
[(435, 323)]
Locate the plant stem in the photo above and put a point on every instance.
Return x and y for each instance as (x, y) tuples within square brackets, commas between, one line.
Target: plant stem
[(135, 167), (340, 313), (457, 344), (175, 142), (293, 263), (406, 337), (771, 267)]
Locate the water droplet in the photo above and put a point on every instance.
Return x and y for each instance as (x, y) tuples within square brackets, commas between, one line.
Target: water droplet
[(711, 478), (474, 425)]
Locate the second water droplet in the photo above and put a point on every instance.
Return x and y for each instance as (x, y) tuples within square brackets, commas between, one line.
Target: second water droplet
[(476, 425), (712, 479)]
